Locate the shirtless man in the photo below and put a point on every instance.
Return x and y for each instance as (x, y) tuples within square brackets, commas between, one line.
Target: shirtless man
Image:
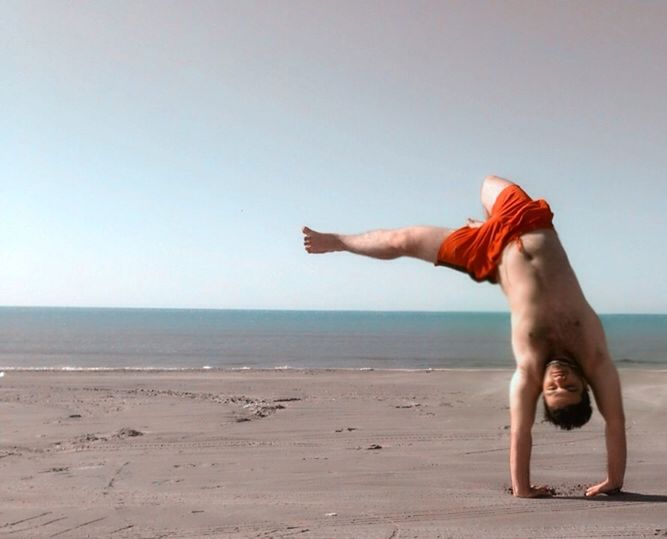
[(557, 339)]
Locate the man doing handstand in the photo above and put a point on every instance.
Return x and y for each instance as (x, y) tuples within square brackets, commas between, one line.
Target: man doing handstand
[(557, 339)]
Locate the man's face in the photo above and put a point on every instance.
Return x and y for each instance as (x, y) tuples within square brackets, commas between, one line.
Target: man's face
[(562, 385)]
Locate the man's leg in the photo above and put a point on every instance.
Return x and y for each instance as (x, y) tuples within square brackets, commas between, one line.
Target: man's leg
[(421, 242), (491, 188)]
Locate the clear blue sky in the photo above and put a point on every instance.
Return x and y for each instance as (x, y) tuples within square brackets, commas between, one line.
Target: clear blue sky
[(166, 154)]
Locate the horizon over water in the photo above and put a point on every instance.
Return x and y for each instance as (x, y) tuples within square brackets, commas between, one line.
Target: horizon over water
[(99, 338)]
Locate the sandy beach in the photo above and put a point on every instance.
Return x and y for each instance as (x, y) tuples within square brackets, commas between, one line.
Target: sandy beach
[(309, 454)]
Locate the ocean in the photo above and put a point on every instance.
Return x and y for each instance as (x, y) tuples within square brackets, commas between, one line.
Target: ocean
[(89, 338)]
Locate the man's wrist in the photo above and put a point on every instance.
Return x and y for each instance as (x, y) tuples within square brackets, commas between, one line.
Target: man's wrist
[(521, 490), (615, 482)]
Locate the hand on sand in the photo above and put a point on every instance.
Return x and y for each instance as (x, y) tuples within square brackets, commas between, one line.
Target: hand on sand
[(536, 492), (606, 487)]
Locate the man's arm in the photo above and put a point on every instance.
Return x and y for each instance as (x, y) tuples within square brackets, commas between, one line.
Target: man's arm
[(607, 390), (524, 393)]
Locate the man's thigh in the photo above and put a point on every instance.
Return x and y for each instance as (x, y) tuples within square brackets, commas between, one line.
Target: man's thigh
[(424, 242)]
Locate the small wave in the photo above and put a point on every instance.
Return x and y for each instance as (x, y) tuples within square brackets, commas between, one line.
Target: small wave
[(205, 368), (627, 361), (68, 368)]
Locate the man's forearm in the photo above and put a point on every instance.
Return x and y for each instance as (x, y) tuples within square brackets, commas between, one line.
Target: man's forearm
[(520, 448), (616, 452)]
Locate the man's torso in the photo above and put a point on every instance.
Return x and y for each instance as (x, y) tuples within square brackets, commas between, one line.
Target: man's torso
[(550, 315)]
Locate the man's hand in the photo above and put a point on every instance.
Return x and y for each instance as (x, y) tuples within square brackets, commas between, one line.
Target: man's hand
[(606, 487), (535, 492), (473, 223)]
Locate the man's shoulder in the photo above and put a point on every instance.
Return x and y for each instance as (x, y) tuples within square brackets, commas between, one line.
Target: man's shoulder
[(592, 350), (529, 352), (529, 334)]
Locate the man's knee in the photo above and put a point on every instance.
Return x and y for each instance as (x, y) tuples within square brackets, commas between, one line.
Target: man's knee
[(491, 188), (401, 241), (421, 242), (493, 183)]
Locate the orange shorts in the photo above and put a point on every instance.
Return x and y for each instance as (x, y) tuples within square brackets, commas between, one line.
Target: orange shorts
[(477, 251)]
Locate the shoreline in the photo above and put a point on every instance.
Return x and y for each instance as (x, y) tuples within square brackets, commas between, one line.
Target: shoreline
[(206, 369), (314, 453)]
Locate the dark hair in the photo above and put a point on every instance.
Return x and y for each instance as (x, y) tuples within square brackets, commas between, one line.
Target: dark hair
[(572, 416)]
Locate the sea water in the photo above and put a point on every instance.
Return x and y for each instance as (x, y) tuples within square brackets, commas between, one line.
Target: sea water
[(86, 338)]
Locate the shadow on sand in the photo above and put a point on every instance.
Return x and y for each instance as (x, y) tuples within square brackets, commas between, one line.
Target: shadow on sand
[(620, 497)]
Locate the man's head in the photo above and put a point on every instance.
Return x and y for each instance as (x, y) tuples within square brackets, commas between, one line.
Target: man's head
[(565, 394)]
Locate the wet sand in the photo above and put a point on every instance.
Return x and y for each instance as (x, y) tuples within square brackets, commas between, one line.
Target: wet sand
[(310, 454)]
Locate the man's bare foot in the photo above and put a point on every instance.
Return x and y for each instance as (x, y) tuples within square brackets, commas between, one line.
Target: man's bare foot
[(317, 242)]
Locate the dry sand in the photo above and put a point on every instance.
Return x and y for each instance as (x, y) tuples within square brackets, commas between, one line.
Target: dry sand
[(309, 454)]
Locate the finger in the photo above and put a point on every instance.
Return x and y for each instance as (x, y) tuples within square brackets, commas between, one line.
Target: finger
[(541, 491), (593, 491)]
